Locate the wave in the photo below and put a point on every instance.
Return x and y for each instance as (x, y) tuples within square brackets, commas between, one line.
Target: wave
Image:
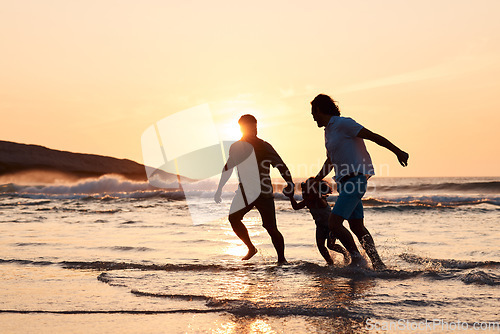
[(244, 307), (413, 302), (172, 296), (110, 265), (433, 266), (382, 197), (302, 266), (107, 186), (384, 204), (175, 195), (457, 187), (32, 244), (481, 278), (349, 272), (128, 248), (448, 263), (344, 316), (102, 184), (429, 202), (112, 311)]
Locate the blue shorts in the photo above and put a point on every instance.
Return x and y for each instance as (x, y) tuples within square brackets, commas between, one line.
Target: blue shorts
[(351, 191)]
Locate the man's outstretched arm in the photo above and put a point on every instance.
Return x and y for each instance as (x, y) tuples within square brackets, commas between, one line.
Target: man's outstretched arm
[(325, 170), (279, 164), (382, 141), (226, 174), (285, 172), (287, 176)]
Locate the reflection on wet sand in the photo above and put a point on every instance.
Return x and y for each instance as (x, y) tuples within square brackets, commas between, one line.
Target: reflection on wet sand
[(262, 302)]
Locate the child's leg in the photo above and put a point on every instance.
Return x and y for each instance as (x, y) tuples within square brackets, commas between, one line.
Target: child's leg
[(330, 243), (320, 243), (340, 232)]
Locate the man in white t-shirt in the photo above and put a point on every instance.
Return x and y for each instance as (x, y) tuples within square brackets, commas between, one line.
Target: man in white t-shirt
[(347, 155)]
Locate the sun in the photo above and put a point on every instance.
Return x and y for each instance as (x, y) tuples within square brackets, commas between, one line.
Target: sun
[(230, 131), (226, 116)]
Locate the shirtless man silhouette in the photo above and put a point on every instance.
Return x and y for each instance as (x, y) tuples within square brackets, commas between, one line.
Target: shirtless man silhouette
[(265, 157)]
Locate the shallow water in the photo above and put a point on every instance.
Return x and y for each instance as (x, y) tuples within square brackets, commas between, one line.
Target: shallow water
[(96, 261)]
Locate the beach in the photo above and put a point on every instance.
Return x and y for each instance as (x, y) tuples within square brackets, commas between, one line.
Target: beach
[(130, 259), (120, 119)]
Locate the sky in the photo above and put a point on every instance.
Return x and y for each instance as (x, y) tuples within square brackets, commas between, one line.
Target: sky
[(92, 76)]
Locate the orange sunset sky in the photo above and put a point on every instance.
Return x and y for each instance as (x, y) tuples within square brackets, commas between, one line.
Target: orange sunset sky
[(91, 76)]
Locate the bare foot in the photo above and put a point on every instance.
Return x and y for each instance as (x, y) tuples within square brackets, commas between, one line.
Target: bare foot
[(379, 265), (347, 257), (282, 261), (251, 252)]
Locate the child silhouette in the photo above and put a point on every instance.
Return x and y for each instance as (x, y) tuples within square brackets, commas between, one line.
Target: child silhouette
[(314, 196)]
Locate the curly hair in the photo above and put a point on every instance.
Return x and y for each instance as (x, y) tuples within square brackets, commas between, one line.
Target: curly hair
[(326, 105)]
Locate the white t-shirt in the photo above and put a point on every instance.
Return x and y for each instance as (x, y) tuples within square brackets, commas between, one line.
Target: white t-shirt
[(346, 150)]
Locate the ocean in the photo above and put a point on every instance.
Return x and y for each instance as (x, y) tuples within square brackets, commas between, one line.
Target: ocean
[(109, 255)]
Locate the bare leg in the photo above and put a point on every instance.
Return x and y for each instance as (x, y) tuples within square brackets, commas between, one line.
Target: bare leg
[(241, 231), (330, 243), (338, 248), (278, 243), (366, 240), (265, 206), (369, 246), (320, 243), (340, 232)]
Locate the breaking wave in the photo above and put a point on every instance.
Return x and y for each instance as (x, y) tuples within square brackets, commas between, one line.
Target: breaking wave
[(103, 184), (383, 197), (461, 187), (448, 263), (481, 278), (433, 268), (430, 202)]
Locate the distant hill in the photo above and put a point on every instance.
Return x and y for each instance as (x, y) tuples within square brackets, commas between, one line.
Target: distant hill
[(15, 157)]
